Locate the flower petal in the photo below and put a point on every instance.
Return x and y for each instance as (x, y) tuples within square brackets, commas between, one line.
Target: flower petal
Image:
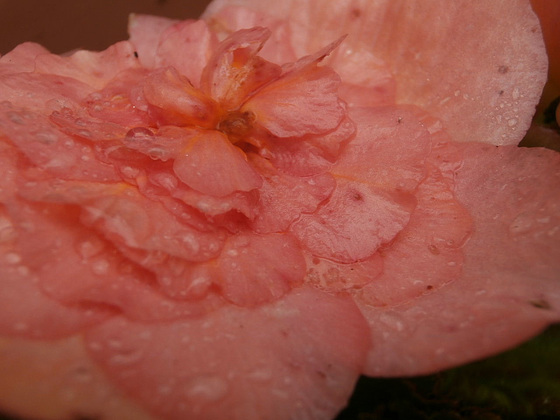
[(272, 366), (174, 100), (235, 71), (56, 379), (482, 91), (303, 101), (95, 69), (256, 269), (145, 34), (212, 165), (187, 47), (354, 223), (508, 290)]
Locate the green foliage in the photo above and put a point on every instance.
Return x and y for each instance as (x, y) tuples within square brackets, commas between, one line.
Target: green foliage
[(521, 383)]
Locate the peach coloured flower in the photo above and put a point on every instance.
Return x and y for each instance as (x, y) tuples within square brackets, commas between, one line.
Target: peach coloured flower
[(235, 217)]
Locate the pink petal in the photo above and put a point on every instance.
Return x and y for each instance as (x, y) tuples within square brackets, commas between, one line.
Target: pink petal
[(175, 101), (21, 58), (26, 310), (212, 165), (93, 68), (428, 252), (389, 151), (354, 222), (45, 146), (145, 34), (56, 379), (302, 101), (41, 93), (55, 250), (433, 60), (508, 290), (256, 269), (282, 197), (235, 71), (186, 46), (238, 363), (277, 49)]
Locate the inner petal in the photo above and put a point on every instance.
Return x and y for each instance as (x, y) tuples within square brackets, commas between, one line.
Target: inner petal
[(212, 165)]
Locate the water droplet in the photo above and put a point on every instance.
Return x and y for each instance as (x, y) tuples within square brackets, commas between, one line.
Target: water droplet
[(261, 375), (84, 133), (521, 224), (12, 258), (512, 122), (15, 117), (100, 267), (89, 248), (125, 358), (139, 134), (46, 137), (21, 326), (207, 388), (190, 241)]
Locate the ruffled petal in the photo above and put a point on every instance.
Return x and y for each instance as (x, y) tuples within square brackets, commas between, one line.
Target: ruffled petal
[(303, 101), (93, 68), (482, 91), (240, 363), (57, 379), (174, 100), (280, 268), (355, 221), (21, 58), (212, 165), (187, 47), (508, 290), (145, 34), (235, 71)]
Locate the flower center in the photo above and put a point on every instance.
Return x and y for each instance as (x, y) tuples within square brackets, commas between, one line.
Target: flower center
[(237, 125)]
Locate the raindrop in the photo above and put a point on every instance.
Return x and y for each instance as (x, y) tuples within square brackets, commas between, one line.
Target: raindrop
[(100, 267), (522, 224), (90, 248), (84, 133), (46, 137), (12, 258), (139, 134), (125, 358), (21, 326), (15, 117), (207, 388)]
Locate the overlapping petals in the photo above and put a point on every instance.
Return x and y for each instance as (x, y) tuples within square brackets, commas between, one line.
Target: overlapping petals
[(237, 216)]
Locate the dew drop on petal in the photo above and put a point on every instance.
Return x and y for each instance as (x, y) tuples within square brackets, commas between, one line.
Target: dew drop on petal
[(207, 388), (100, 267), (12, 258)]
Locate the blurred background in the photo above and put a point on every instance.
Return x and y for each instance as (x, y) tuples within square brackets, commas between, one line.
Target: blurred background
[(63, 25)]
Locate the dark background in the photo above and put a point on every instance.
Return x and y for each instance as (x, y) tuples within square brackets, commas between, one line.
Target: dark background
[(63, 25)]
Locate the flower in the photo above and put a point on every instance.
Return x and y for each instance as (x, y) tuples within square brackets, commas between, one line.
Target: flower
[(237, 216)]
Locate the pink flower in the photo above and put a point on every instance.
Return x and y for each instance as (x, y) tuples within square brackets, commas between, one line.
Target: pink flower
[(236, 217)]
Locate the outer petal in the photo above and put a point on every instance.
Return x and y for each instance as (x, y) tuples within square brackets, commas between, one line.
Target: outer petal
[(510, 287), (296, 358), (53, 380), (479, 67), (145, 33)]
